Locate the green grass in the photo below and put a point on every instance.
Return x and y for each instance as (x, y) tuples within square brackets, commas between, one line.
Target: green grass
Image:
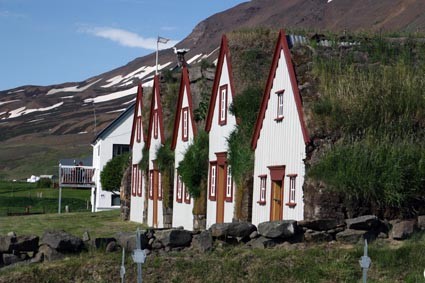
[(16, 196), (391, 262)]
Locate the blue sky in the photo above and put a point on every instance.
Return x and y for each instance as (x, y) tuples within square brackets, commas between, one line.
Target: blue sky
[(45, 42)]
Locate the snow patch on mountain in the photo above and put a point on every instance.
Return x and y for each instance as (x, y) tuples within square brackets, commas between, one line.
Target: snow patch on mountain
[(112, 96), (194, 58), (23, 111), (15, 91), (75, 88), (4, 102)]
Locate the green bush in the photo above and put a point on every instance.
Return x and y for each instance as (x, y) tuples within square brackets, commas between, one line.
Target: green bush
[(112, 172), (44, 183), (165, 161), (193, 169)]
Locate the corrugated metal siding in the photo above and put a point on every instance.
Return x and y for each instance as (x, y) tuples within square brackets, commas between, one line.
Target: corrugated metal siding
[(218, 143), (280, 143), (182, 212)]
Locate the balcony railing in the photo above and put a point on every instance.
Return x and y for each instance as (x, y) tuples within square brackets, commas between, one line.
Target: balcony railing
[(76, 176)]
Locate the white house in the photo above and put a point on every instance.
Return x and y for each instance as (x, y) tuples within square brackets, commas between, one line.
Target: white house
[(137, 142), (155, 140), (111, 141), (183, 134), (219, 124), (279, 141)]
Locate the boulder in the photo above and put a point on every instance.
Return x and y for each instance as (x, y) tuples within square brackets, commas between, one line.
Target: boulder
[(254, 235), (86, 236), (278, 229), (127, 240), (318, 236), (174, 237), (366, 222), (262, 243), (111, 247), (11, 234), (319, 224), (62, 241), (203, 241), (48, 253), (209, 73), (103, 242), (19, 244), (9, 259), (421, 222), (235, 229), (157, 245), (402, 229), (351, 236)]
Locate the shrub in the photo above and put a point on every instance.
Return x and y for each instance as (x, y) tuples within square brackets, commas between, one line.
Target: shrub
[(165, 161), (112, 172), (44, 183)]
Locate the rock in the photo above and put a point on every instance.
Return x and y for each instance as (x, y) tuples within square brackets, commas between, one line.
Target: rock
[(48, 253), (366, 222), (262, 243), (86, 236), (111, 247), (174, 238), (421, 222), (382, 235), (253, 235), (9, 259), (278, 229), (62, 241), (319, 224), (209, 73), (19, 244), (402, 229), (157, 245), (317, 236), (147, 252), (103, 242), (127, 240), (151, 240), (203, 241), (11, 234), (39, 257), (351, 236), (235, 229), (195, 73)]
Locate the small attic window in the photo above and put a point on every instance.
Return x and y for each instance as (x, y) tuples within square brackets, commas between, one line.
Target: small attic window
[(280, 97)]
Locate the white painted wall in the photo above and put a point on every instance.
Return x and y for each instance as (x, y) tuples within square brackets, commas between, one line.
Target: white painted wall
[(182, 212), (280, 143), (137, 202), (154, 145), (218, 143), (102, 153)]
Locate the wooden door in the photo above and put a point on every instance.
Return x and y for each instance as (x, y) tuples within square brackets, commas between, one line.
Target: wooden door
[(276, 209), (220, 191), (155, 199)]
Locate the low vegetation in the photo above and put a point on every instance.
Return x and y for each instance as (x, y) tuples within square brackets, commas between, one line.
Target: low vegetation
[(112, 172)]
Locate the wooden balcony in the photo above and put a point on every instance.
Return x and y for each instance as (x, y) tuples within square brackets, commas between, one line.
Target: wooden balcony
[(76, 176)]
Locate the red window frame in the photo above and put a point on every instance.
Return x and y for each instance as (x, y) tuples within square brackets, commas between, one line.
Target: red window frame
[(151, 184), (186, 195), (138, 129), (229, 184), (222, 107), (139, 181), (292, 190), (263, 189), (185, 124), (280, 105), (155, 124), (212, 192), (179, 189), (159, 186), (134, 180)]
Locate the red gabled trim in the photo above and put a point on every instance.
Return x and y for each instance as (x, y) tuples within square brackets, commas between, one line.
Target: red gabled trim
[(224, 53), (139, 105), (184, 84), (281, 44), (155, 97)]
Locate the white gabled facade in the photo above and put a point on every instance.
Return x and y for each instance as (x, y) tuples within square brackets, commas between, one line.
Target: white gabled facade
[(137, 142), (113, 140), (183, 135), (154, 141), (220, 123), (279, 141)]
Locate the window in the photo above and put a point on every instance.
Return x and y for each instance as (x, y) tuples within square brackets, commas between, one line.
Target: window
[(229, 185), (185, 124), (115, 200), (292, 183), (151, 184), (179, 190), (213, 180), (279, 115), (159, 186), (223, 106), (139, 129), (155, 124), (263, 186), (134, 180), (98, 150), (118, 149), (186, 195), (139, 181)]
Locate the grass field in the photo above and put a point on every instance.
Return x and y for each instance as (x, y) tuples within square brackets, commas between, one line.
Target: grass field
[(15, 197)]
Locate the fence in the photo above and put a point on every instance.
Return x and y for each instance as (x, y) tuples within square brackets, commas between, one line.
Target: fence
[(76, 176)]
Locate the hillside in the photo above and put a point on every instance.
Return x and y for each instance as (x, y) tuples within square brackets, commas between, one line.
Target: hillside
[(41, 124)]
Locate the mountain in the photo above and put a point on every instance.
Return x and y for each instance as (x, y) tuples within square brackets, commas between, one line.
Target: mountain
[(40, 124)]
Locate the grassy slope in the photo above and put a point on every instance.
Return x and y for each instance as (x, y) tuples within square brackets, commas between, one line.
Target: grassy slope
[(14, 197)]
